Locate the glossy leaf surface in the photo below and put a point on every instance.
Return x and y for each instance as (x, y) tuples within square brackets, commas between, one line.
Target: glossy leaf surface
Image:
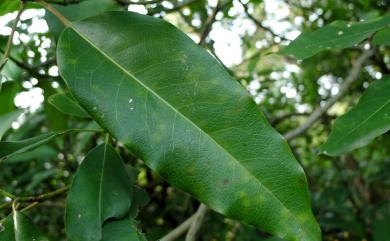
[(7, 119), (100, 190), (367, 120), (177, 108), (339, 34), (67, 105), (18, 227)]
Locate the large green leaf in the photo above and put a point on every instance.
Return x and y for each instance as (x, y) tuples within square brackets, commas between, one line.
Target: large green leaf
[(177, 108), (18, 227), (367, 120), (100, 190), (7, 119), (75, 12), (339, 34), (66, 104)]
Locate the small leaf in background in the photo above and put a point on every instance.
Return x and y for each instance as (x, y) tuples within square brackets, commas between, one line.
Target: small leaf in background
[(382, 37), (7, 119), (181, 112), (367, 120), (337, 35), (106, 193), (122, 230), (66, 104), (18, 227), (10, 148), (8, 92)]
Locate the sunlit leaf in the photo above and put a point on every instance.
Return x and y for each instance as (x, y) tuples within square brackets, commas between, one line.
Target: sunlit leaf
[(337, 35), (367, 120), (100, 190), (177, 108)]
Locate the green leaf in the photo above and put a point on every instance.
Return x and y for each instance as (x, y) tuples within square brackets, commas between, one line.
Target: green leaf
[(56, 120), (75, 12), (8, 92), (10, 148), (7, 6), (7, 119), (121, 230), (381, 231), (42, 153), (177, 108), (100, 190), (367, 120), (18, 227), (66, 104), (337, 35), (382, 37)]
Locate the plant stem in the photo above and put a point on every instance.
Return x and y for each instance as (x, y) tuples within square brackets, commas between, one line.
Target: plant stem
[(54, 11), (11, 36), (197, 223)]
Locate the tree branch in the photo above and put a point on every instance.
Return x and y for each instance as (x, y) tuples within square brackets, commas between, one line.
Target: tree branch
[(258, 23), (210, 21), (179, 230), (11, 36), (175, 8), (321, 110), (197, 223)]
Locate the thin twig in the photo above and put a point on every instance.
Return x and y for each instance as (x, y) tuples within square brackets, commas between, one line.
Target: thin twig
[(54, 11), (11, 36), (209, 23), (44, 196), (197, 223), (259, 23), (175, 8), (321, 110), (179, 230)]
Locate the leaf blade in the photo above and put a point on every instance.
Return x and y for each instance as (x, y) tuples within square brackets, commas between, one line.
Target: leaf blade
[(106, 190), (367, 120), (158, 109), (337, 35)]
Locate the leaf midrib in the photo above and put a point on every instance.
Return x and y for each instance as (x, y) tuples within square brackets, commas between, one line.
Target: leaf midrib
[(101, 184), (188, 120)]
